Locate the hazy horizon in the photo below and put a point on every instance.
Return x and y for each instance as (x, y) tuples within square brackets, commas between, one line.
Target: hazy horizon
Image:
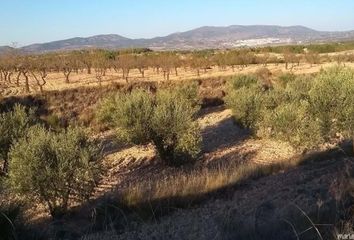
[(45, 21)]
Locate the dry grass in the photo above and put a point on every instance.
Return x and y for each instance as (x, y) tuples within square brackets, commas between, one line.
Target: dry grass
[(195, 185)]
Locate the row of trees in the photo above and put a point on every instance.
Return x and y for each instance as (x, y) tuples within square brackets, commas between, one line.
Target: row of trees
[(15, 68), (301, 110)]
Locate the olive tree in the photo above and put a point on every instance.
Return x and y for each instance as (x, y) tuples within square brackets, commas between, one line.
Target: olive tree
[(291, 122), (243, 98), (13, 125), (167, 120), (54, 168), (332, 101)]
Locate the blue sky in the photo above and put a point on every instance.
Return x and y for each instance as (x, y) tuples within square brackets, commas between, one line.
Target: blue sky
[(32, 21)]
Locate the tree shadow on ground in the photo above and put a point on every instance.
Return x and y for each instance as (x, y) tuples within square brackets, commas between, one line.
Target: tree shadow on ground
[(222, 135), (108, 212)]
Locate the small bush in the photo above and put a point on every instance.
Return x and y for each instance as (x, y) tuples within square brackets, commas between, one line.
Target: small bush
[(129, 114), (54, 168), (272, 99), (242, 81), (174, 130), (299, 88), (166, 119), (331, 101), (291, 122), (283, 80), (13, 125), (188, 92), (245, 103)]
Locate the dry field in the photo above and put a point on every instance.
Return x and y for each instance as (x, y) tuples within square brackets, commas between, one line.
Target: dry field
[(56, 81)]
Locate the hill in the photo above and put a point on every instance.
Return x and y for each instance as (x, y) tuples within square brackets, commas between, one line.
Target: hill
[(200, 38)]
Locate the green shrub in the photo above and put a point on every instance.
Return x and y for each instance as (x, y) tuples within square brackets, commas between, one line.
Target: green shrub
[(273, 98), (188, 92), (331, 100), (245, 103), (54, 122), (13, 125), (299, 88), (291, 122), (54, 168), (166, 119), (130, 114), (174, 130), (304, 110), (241, 81), (283, 80)]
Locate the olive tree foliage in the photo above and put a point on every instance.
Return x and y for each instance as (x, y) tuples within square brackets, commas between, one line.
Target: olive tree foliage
[(13, 126), (283, 80), (298, 89), (129, 114), (291, 122), (175, 132), (54, 168), (304, 111), (332, 101), (273, 112), (166, 119), (243, 99)]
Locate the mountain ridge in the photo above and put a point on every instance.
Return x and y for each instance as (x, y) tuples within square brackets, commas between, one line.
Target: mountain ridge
[(198, 38)]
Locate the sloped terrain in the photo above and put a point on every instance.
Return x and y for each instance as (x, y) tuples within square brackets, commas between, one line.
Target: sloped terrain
[(278, 206), (254, 210)]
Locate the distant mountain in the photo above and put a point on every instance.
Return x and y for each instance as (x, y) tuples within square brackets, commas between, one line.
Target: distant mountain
[(200, 38), (4, 49), (99, 41), (237, 35)]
